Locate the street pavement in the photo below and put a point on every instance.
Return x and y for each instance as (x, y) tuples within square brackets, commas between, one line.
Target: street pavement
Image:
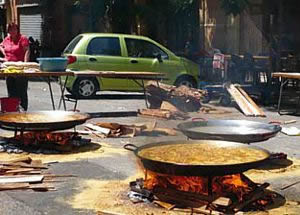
[(121, 108)]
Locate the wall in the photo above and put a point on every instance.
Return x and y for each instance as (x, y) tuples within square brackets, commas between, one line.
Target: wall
[(234, 35)]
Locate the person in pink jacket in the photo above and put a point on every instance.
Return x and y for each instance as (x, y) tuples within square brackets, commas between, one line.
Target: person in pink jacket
[(15, 47)]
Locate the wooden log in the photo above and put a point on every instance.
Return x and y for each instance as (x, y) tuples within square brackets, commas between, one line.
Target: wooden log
[(155, 113), (23, 159), (164, 204), (182, 198), (14, 186), (251, 197), (21, 170), (183, 98)]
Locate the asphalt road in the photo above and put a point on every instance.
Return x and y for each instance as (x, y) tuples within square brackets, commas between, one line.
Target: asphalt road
[(121, 108)]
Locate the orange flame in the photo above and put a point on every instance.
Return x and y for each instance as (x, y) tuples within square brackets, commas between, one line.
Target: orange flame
[(221, 185)]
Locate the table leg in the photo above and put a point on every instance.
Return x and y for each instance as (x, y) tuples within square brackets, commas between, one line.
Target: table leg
[(145, 94), (144, 90), (62, 89), (51, 93)]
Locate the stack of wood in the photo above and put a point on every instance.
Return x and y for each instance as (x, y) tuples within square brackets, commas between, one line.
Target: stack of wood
[(25, 173), (108, 129), (184, 98)]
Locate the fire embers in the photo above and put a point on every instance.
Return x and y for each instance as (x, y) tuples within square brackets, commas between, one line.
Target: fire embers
[(44, 142), (237, 191), (61, 138)]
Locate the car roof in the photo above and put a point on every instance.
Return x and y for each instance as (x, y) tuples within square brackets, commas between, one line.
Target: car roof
[(114, 35)]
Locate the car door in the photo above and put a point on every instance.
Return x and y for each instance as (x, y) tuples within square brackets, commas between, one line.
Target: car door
[(104, 54), (143, 55)]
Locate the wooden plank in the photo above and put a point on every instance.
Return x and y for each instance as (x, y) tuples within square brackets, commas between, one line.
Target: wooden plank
[(21, 179), (240, 100), (256, 110), (13, 186), (36, 166), (21, 170), (24, 165), (23, 159), (246, 104), (286, 75), (105, 131)]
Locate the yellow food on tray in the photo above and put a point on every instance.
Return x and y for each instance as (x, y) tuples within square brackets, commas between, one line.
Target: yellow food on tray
[(12, 69), (203, 154)]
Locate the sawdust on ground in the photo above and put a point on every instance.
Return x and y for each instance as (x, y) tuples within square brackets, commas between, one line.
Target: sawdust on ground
[(97, 150), (284, 171), (111, 198)]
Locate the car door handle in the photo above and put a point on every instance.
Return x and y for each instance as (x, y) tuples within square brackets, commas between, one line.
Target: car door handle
[(92, 59), (133, 61)]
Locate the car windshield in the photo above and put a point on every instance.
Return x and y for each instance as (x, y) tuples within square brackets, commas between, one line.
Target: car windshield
[(142, 48), (69, 49)]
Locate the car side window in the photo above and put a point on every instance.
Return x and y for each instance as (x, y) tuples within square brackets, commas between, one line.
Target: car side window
[(104, 46), (141, 48)]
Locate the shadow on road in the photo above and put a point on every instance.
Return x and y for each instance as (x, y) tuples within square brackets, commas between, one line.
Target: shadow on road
[(109, 96), (113, 114)]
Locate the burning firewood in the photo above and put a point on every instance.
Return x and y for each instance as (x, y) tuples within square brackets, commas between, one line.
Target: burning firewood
[(184, 98)]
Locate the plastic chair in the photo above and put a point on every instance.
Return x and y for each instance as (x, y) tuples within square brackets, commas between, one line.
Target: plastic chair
[(10, 104)]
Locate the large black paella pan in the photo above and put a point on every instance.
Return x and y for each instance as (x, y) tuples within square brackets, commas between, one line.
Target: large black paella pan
[(42, 120), (199, 157), (243, 131)]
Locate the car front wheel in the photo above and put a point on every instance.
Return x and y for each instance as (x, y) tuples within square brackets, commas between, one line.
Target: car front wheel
[(85, 87), (186, 81)]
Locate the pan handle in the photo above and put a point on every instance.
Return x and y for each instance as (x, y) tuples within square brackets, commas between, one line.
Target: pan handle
[(275, 123), (198, 119), (130, 147)]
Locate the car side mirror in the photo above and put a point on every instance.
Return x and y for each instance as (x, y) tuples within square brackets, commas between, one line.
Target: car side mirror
[(159, 58)]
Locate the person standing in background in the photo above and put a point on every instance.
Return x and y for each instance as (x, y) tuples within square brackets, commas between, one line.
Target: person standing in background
[(15, 47)]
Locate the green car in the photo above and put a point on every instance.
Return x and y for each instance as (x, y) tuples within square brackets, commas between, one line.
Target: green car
[(121, 52)]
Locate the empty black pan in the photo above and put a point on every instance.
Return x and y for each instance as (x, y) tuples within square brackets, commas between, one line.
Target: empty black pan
[(243, 131)]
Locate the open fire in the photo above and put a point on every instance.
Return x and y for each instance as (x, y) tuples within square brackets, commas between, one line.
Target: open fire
[(197, 192), (61, 138), (44, 142)]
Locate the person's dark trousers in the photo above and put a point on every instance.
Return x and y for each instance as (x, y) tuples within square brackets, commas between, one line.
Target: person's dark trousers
[(17, 87)]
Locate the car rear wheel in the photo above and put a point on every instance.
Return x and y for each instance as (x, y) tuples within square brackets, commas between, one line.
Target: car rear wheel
[(85, 87), (186, 81)]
